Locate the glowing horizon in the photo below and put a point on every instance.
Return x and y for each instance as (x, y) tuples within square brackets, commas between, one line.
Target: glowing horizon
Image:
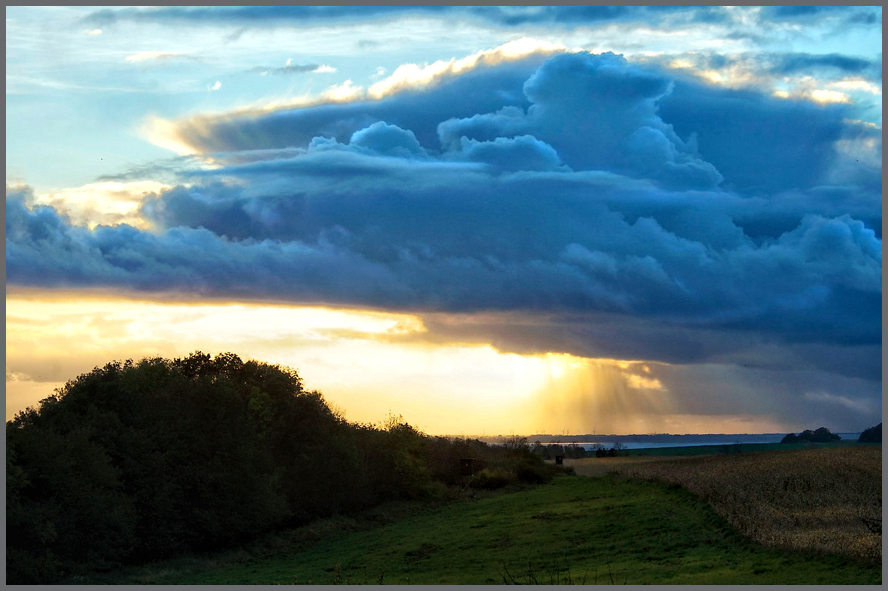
[(349, 356)]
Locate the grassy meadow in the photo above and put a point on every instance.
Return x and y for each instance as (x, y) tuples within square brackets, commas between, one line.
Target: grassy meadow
[(695, 520)]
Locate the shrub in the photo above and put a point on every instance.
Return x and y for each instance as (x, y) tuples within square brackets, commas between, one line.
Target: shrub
[(490, 479), (532, 474)]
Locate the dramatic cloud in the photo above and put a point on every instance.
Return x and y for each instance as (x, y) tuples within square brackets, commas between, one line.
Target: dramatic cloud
[(653, 218), (478, 88), (791, 63), (757, 143), (501, 15), (505, 16), (580, 203), (864, 15)]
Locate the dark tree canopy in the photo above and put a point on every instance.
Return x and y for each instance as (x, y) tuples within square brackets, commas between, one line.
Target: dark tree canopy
[(138, 461)]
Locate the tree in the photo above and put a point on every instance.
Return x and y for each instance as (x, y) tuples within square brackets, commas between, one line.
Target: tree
[(517, 444)]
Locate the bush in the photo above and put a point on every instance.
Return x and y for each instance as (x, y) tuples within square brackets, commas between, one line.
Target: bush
[(532, 474), (490, 479)]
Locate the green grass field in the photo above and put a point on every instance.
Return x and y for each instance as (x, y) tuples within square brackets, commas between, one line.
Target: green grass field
[(575, 530)]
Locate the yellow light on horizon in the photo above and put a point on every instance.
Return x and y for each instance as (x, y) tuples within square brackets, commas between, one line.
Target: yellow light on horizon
[(367, 363)]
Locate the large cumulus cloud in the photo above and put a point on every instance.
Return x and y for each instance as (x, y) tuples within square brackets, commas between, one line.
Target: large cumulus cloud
[(614, 210)]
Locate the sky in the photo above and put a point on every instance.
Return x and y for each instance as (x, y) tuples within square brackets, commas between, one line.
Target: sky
[(486, 220)]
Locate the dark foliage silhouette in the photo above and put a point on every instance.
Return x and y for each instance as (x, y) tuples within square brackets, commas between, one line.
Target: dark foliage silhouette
[(139, 461)]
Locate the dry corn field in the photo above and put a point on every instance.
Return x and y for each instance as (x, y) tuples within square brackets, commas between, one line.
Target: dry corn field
[(826, 500)]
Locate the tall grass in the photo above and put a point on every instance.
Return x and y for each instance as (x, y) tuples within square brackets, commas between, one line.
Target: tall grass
[(827, 500)]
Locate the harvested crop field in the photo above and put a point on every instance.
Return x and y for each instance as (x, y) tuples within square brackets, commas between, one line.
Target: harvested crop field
[(827, 500)]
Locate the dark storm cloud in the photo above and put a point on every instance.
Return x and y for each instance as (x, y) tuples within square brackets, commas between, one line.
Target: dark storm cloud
[(42, 250), (853, 14), (500, 15), (791, 12), (578, 204), (244, 15), (803, 62), (519, 15), (288, 69), (596, 113), (165, 170), (756, 142)]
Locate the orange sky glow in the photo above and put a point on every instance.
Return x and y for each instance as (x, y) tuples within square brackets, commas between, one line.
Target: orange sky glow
[(367, 364)]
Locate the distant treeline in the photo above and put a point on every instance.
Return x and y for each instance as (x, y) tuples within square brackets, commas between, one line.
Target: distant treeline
[(135, 462), (572, 450), (824, 435), (664, 438), (820, 435)]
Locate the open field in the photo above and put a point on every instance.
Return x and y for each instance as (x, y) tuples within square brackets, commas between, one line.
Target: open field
[(575, 530), (822, 499), (733, 448)]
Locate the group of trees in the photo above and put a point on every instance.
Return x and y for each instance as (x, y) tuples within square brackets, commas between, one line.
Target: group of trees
[(824, 435), (821, 435), (134, 462), (549, 451)]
